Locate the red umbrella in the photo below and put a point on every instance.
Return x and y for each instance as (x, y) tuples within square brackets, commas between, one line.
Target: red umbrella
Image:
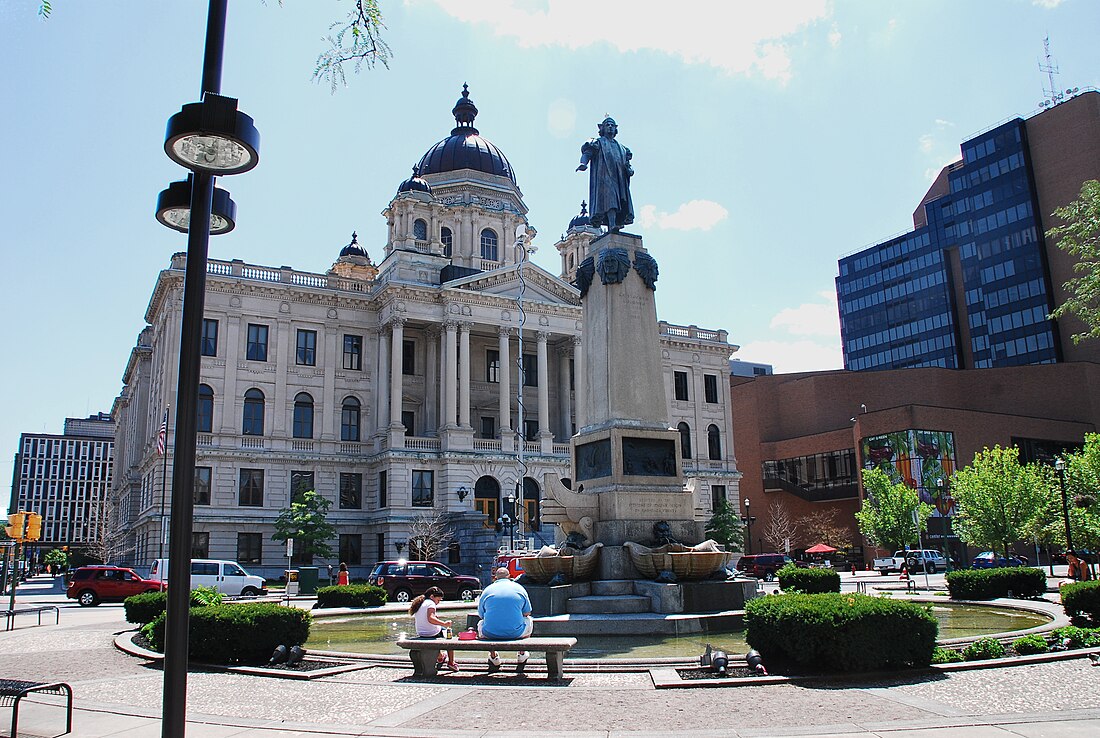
[(821, 548)]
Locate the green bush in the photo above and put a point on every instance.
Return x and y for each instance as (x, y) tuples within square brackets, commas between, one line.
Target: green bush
[(1076, 637), (985, 584), (840, 632), (1082, 599), (144, 608), (1030, 644), (351, 595), (984, 648), (808, 581), (231, 634), (946, 656)]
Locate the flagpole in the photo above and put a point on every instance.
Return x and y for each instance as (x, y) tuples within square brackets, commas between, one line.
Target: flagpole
[(163, 479)]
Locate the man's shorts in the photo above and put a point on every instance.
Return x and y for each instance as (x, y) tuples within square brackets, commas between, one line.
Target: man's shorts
[(529, 626)]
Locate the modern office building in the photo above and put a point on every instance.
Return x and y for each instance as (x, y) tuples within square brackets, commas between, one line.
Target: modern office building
[(429, 384), (65, 478), (739, 368), (972, 284)]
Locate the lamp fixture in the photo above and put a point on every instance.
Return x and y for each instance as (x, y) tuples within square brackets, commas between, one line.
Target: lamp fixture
[(213, 136), (399, 544), (463, 493), (174, 208)]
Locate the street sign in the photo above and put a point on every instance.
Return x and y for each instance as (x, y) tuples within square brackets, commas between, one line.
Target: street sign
[(290, 548)]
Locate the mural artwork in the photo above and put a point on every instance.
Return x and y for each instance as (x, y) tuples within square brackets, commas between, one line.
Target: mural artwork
[(919, 459)]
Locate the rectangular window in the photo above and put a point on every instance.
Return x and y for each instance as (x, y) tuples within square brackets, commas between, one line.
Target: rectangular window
[(710, 388), (252, 488), (351, 491), (351, 549), (383, 489), (488, 427), (202, 485), (300, 483), (408, 357), (307, 348), (530, 370), (256, 350), (408, 419), (530, 430), (208, 345), (200, 545), (249, 548), (492, 366), (717, 495), (353, 353), (423, 494), (680, 383)]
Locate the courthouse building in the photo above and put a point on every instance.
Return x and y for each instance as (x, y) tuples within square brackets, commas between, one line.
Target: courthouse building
[(429, 384)]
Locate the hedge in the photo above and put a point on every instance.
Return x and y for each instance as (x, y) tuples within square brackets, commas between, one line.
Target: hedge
[(237, 633), (808, 581), (1082, 599), (984, 649), (840, 632), (351, 595), (1073, 637), (986, 584), (143, 608)]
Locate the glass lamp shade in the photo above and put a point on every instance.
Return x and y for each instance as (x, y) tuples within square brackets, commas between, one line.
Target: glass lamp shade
[(213, 136), (174, 209)]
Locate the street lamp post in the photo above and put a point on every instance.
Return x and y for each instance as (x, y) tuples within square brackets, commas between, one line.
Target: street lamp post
[(505, 522), (748, 524), (1060, 466)]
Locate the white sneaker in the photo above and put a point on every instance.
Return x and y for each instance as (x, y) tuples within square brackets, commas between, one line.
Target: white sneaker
[(521, 662)]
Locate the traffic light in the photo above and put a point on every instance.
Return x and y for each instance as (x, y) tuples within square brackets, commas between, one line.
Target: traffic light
[(14, 528), (34, 526)]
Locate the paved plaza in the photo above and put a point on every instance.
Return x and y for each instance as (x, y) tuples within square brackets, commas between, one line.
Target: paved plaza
[(120, 695)]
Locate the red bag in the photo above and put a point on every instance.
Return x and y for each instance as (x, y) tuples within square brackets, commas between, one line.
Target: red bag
[(467, 635)]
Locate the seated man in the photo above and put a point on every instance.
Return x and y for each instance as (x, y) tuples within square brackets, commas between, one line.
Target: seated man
[(505, 612)]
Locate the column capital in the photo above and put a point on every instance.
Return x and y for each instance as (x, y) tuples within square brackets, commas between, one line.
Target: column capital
[(432, 331), (464, 326), (450, 325), (564, 351), (542, 336), (397, 322), (504, 330), (576, 343)]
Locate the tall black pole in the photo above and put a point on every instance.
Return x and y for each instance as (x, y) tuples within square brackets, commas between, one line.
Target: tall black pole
[(163, 485), (1065, 507), (174, 712)]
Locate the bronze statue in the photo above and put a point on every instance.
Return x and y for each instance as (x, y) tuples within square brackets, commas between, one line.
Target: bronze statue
[(609, 180)]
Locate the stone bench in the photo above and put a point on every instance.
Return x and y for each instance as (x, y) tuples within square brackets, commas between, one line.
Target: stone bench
[(13, 690), (424, 652)]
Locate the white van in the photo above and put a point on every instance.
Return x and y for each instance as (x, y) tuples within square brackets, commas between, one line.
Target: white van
[(225, 576)]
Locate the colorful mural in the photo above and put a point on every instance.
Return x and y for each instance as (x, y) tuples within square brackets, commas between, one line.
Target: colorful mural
[(917, 458)]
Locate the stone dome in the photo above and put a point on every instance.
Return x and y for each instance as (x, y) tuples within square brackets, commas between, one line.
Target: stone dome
[(354, 249), (582, 220), (464, 148), (414, 184)]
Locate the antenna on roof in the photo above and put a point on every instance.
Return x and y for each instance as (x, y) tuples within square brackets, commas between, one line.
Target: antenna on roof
[(1053, 94)]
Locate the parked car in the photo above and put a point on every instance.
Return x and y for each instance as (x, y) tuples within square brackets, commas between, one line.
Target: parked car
[(916, 559), (404, 580), (763, 566), (988, 560), (225, 576), (91, 585)]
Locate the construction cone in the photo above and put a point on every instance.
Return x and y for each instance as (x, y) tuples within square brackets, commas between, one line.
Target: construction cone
[(904, 573)]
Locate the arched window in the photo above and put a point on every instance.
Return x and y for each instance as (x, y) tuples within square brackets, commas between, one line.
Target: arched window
[(570, 261), (448, 240), (487, 500), (420, 230), (530, 509), (253, 413), (204, 412), (489, 244), (303, 416), (714, 443), (349, 420), (685, 440)]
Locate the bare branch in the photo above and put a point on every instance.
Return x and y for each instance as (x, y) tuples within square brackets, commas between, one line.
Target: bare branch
[(357, 39)]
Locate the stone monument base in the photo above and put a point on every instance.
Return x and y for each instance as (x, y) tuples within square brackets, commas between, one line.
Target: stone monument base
[(666, 599)]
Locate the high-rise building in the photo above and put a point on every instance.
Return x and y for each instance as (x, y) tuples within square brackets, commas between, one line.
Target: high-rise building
[(65, 479), (972, 285)]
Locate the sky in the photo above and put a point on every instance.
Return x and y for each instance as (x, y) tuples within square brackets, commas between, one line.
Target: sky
[(770, 138)]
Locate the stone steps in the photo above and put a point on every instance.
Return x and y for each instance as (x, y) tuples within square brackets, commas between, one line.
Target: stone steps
[(612, 587), (607, 604)]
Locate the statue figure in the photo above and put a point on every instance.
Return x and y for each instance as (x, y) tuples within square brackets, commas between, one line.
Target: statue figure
[(609, 180)]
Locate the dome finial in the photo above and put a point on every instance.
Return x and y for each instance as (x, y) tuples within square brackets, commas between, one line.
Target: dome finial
[(584, 208), (464, 112), (354, 237)]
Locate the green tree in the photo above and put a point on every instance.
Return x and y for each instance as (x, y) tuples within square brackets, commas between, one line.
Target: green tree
[(1080, 236), (306, 521), (1001, 500), (725, 527), (1082, 475), (886, 517), (56, 557)]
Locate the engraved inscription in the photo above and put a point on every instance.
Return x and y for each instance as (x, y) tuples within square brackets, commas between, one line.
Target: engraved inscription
[(594, 460), (649, 457)]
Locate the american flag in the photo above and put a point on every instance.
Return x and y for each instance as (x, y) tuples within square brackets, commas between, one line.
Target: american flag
[(162, 434)]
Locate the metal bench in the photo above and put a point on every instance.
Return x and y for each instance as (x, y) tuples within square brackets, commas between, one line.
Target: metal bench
[(10, 614), (424, 652), (13, 690)]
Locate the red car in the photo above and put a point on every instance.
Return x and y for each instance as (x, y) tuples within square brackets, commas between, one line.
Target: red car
[(404, 580), (91, 585)]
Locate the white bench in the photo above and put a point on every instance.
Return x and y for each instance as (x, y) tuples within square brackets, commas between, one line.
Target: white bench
[(424, 652)]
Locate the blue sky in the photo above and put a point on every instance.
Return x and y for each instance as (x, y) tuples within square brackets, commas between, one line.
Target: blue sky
[(769, 139)]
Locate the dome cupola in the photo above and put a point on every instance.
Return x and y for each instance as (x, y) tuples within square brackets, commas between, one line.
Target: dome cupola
[(465, 148), (354, 249), (582, 220), (415, 184)]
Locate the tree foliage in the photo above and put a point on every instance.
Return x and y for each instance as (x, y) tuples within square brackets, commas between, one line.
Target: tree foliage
[(306, 521), (725, 527), (1080, 236), (1000, 500), (886, 518), (1082, 477)]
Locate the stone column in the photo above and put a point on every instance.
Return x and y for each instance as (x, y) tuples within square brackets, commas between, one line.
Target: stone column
[(442, 374), (397, 338), (565, 406), (464, 375), (383, 383), (451, 328), (545, 434), (283, 353), (504, 382), (578, 383), (431, 380), (230, 422), (330, 417)]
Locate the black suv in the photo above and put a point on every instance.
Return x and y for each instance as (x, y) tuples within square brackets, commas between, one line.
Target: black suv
[(404, 580), (763, 566)]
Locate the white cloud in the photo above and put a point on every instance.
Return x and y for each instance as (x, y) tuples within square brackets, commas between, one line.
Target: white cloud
[(793, 356), (926, 142), (1048, 4), (834, 36), (561, 118), (811, 318), (939, 150), (696, 215), (813, 343), (738, 38)]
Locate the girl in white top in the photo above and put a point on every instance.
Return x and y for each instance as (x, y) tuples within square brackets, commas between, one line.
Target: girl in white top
[(428, 624)]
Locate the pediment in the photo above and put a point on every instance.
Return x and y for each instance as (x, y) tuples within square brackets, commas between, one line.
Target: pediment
[(538, 284)]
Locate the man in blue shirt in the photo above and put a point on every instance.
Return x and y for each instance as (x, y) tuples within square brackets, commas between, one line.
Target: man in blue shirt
[(505, 612)]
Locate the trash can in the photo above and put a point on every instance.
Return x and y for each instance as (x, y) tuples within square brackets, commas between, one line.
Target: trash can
[(307, 580), (291, 582)]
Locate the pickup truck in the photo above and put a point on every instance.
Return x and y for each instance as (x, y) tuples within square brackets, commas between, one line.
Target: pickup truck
[(914, 559)]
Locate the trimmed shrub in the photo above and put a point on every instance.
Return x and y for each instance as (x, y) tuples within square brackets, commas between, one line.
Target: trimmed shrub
[(231, 634), (1077, 637), (985, 584), (946, 656), (1082, 599), (144, 608), (1030, 644), (984, 648), (351, 595), (808, 581), (840, 632)]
